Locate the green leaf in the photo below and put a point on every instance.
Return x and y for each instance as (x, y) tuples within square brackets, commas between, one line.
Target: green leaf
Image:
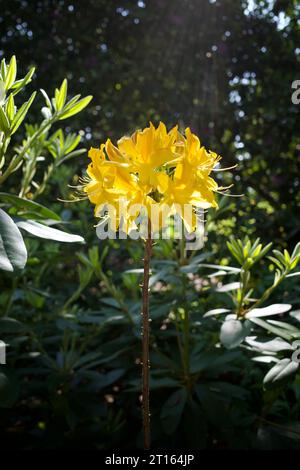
[(295, 314), (70, 155), (21, 114), (4, 122), (210, 360), (76, 108), (172, 410), (294, 274), (216, 311), (61, 95), (275, 345), (264, 251), (13, 253), (230, 269), (25, 205), (281, 370), (274, 309), (296, 251), (47, 99), (49, 233), (2, 92), (265, 359), (9, 388), (229, 287), (276, 262), (11, 73), (19, 84), (264, 324), (71, 143), (10, 325), (10, 107), (280, 256), (234, 249), (229, 390)]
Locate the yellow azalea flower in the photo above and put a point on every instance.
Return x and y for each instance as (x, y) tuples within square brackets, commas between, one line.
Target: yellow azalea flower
[(152, 167), (148, 150)]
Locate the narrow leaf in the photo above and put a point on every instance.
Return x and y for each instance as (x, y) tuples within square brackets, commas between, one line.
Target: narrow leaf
[(21, 114), (43, 231), (79, 106), (11, 73)]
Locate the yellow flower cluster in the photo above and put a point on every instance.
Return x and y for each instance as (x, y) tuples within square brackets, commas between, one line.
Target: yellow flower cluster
[(152, 167)]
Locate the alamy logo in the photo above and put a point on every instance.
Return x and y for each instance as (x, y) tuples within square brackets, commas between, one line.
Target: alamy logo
[(2, 352), (296, 353), (296, 93), (122, 221)]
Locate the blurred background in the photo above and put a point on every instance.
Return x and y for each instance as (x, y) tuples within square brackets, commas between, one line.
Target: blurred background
[(223, 67)]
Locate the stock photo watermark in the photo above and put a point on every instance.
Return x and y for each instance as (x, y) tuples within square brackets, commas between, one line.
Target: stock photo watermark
[(175, 222), (2, 352), (296, 94), (296, 353)]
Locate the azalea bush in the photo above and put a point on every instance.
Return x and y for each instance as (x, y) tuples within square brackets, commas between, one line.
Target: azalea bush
[(224, 319)]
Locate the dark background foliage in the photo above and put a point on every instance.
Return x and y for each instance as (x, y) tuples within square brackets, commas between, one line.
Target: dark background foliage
[(225, 69), (209, 65)]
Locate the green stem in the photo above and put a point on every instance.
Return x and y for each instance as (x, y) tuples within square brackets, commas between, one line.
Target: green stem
[(268, 292), (180, 347), (15, 161), (186, 343)]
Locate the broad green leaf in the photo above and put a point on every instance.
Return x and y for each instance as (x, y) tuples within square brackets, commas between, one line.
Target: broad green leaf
[(21, 114), (25, 205), (10, 325), (76, 108), (224, 388), (49, 233), (210, 360), (11, 73), (98, 381), (9, 388), (13, 253), (172, 410)]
